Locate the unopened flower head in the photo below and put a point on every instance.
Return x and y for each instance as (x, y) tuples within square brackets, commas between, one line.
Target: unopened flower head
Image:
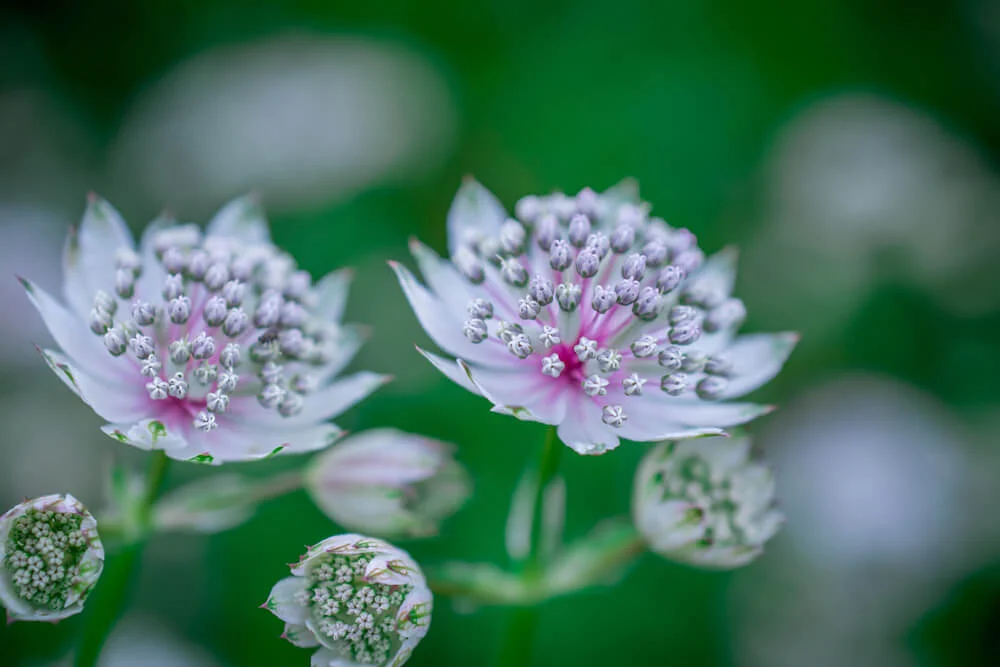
[(704, 502), (362, 601), (211, 346), (50, 558), (388, 483), (586, 313)]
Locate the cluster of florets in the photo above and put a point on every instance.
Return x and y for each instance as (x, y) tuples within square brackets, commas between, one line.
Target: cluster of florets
[(226, 317), (348, 608), (705, 502), (51, 556)]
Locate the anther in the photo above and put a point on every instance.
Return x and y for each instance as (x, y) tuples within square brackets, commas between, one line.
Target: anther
[(528, 208), (603, 299), (560, 255), (293, 315), (270, 395), (730, 313), (268, 310), (674, 384), (106, 302), (680, 314), (579, 230), (178, 386), (627, 291), (585, 349), (179, 309), (669, 278), (719, 364), (595, 385), (670, 358), (528, 308), (587, 263), (512, 237), (689, 260), (230, 356), (151, 366), (549, 336), (180, 351), (520, 346), (480, 309), (157, 388), (236, 322), (547, 231), (262, 351), (568, 296), (622, 239), (609, 361), (206, 373), (685, 333), (552, 366), (297, 286), (144, 313), (173, 286), (468, 265), (216, 401), (599, 243), (124, 283), (513, 272), (205, 422), (587, 202), (100, 320), (507, 330), (647, 306), (203, 346), (115, 341), (655, 252), (173, 260), (233, 292), (292, 343), (227, 381), (141, 346), (198, 264), (215, 311), (693, 361), (541, 290), (290, 405), (633, 384), (711, 387), (634, 267)]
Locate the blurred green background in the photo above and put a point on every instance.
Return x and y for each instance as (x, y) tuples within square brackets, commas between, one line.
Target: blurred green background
[(848, 147)]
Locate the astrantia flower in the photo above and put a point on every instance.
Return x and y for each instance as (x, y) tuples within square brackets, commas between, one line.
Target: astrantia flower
[(389, 483), (210, 346), (50, 558), (703, 502), (586, 313), (361, 600)]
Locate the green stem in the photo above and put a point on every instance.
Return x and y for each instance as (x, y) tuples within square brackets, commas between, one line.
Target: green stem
[(107, 601), (520, 635)]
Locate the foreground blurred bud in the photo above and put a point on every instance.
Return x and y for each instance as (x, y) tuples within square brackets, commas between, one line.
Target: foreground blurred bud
[(388, 483), (703, 502), (51, 558), (361, 600)]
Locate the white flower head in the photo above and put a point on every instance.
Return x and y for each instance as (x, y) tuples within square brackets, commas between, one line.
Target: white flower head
[(362, 601), (50, 558), (705, 503), (388, 483), (210, 345), (563, 314)]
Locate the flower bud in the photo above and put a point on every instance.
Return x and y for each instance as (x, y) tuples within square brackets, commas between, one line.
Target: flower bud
[(705, 503), (50, 558), (361, 600), (388, 483)]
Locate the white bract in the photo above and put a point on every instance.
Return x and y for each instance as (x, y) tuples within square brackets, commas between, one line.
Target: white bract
[(50, 558), (703, 502), (210, 345), (362, 601), (585, 313), (388, 483)]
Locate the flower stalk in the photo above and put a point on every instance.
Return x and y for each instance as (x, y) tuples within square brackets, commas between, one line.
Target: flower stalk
[(108, 601)]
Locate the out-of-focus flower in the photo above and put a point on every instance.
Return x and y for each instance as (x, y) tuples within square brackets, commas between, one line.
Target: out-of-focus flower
[(388, 483), (361, 600), (304, 119), (211, 347), (50, 558), (587, 314), (705, 503)]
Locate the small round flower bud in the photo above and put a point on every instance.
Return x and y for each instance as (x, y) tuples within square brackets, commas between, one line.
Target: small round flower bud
[(600, 244), (674, 384), (151, 366), (292, 343), (671, 358), (552, 366), (179, 310), (541, 290), (227, 381), (669, 278), (216, 401), (51, 557), (512, 236), (468, 265), (579, 230), (711, 387), (647, 306), (475, 330), (203, 346), (613, 415), (560, 255), (547, 231), (480, 309), (106, 302), (262, 351), (157, 388), (124, 283), (297, 286), (173, 286), (115, 341), (490, 250), (366, 601), (609, 361), (215, 311), (719, 364), (144, 313), (634, 267), (689, 261), (198, 263), (680, 314), (644, 346), (595, 385), (528, 308), (513, 272), (693, 361), (528, 208), (180, 351), (126, 259), (507, 330), (235, 323), (141, 346), (603, 299), (230, 356), (270, 395), (704, 502), (655, 252), (293, 315), (685, 333), (205, 422), (178, 386), (587, 263), (633, 384), (622, 239), (520, 345), (290, 405), (268, 311), (704, 293), (173, 260), (233, 292), (568, 296), (588, 202), (100, 321), (729, 314), (627, 291)]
